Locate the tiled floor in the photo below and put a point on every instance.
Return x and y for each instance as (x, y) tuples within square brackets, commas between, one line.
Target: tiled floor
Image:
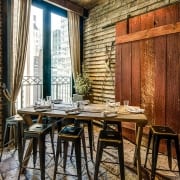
[(9, 167)]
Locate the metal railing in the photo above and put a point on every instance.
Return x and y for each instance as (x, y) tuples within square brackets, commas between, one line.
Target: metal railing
[(32, 89)]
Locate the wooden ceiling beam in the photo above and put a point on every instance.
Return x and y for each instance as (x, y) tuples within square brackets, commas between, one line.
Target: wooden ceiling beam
[(68, 5)]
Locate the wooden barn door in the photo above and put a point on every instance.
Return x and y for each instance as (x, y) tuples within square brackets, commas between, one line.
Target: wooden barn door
[(148, 66)]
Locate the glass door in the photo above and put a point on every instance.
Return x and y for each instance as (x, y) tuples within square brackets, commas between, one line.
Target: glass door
[(48, 64), (60, 58)]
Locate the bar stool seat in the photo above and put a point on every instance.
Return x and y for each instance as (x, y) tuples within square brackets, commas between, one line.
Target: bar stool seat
[(38, 134), (159, 133), (15, 122), (72, 134), (113, 139)]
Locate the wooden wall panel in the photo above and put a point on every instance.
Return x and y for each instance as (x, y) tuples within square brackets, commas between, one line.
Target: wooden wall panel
[(147, 21), (136, 69), (147, 77), (121, 30), (153, 67), (147, 66), (172, 88), (118, 73), (126, 72), (136, 75), (160, 69), (172, 113), (160, 80), (160, 17), (178, 12), (172, 14)]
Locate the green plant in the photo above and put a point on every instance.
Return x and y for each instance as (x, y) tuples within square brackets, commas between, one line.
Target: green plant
[(82, 84)]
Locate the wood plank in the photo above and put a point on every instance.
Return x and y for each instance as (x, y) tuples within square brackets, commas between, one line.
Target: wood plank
[(147, 77), (160, 80), (147, 20), (126, 72), (160, 70), (136, 89), (172, 112), (159, 17), (178, 108), (118, 73), (147, 65), (171, 14), (121, 28), (149, 33), (135, 24), (179, 12)]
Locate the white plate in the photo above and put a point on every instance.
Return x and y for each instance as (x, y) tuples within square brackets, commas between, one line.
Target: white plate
[(134, 109), (110, 115), (41, 110)]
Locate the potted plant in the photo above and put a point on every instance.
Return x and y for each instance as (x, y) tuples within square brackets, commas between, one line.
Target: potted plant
[(82, 84)]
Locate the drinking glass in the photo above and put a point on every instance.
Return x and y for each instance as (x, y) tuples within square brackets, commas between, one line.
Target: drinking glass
[(117, 106), (107, 105), (126, 103), (48, 100)]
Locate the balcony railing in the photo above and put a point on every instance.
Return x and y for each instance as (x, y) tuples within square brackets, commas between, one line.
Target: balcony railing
[(32, 89)]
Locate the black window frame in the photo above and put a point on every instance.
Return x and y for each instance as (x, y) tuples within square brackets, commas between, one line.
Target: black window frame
[(47, 10)]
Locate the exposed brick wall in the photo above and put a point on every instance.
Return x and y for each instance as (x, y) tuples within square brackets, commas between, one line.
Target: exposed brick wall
[(1, 68), (99, 33)]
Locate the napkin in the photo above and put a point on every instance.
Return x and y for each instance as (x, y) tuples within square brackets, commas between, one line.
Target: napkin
[(134, 109)]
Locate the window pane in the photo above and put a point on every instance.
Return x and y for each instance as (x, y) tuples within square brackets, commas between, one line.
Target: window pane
[(60, 58)]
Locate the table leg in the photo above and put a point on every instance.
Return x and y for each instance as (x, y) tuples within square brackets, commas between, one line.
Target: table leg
[(138, 150), (135, 151)]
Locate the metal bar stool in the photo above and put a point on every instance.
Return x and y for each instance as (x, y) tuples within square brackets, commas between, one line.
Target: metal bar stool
[(37, 132), (113, 139), (90, 134), (159, 133), (72, 134), (15, 122)]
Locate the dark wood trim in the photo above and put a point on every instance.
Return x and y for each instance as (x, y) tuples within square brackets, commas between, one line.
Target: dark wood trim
[(68, 5), (149, 33)]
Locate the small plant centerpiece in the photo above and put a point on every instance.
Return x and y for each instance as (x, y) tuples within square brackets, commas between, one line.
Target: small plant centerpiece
[(82, 84)]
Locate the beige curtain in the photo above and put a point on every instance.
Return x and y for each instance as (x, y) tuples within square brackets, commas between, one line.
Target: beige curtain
[(19, 36), (74, 41)]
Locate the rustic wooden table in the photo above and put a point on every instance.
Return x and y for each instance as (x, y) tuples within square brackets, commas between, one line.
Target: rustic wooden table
[(91, 112)]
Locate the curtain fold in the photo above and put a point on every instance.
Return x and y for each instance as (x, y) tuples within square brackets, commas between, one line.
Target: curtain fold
[(74, 41), (19, 35)]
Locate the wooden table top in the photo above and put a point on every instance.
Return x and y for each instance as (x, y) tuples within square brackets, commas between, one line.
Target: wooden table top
[(91, 111)]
